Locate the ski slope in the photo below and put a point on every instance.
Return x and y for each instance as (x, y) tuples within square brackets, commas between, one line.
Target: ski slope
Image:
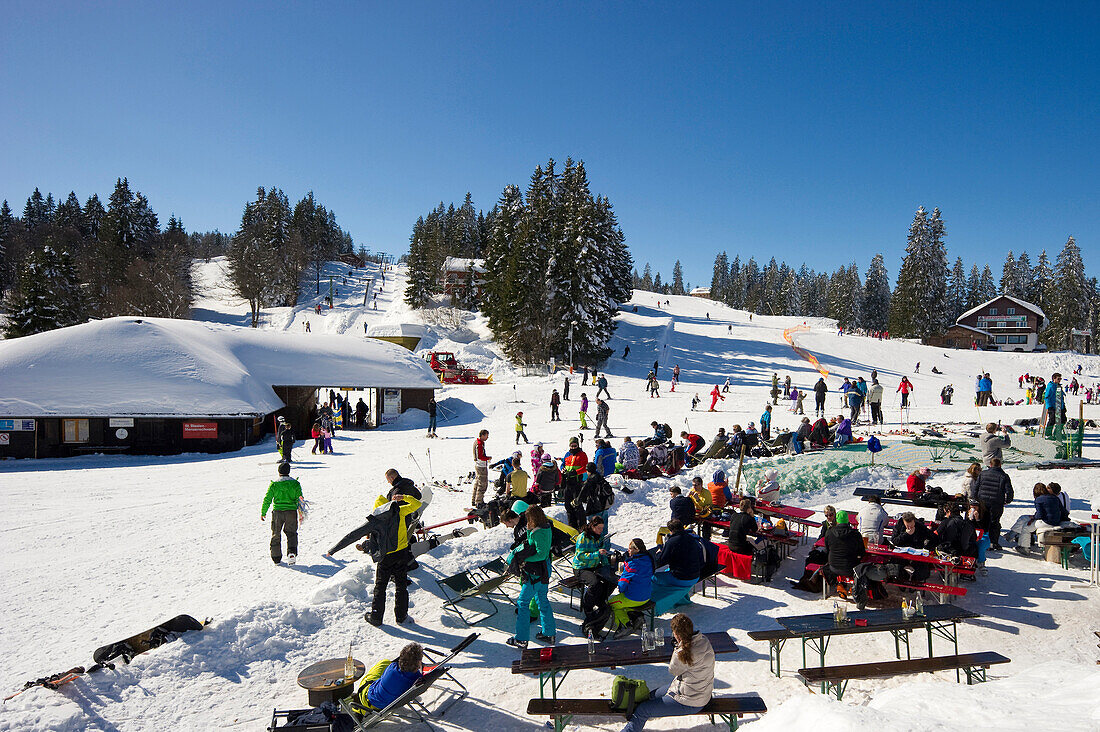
[(99, 547)]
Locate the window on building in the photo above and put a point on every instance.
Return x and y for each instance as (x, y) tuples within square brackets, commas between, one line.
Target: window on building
[(1001, 339), (1017, 339), (75, 430), (993, 311), (1010, 311), (1001, 324)]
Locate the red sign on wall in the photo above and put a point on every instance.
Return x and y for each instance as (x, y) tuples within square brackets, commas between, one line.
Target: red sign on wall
[(200, 430)]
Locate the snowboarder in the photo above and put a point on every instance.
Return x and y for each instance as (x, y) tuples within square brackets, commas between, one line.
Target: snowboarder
[(392, 544), (602, 411), (519, 429), (555, 404), (602, 384), (584, 411), (431, 416), (726, 386), (715, 395), (283, 496)]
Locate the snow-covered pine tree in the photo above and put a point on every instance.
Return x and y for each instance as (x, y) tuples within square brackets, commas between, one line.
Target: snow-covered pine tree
[(720, 277), (94, 214), (770, 289), (658, 286), (69, 214), (750, 273), (906, 301), (987, 288), (1040, 289), (1023, 271), (1070, 297), (956, 290), (677, 278), (503, 297), (46, 295), (934, 318), (791, 294), (734, 284), (647, 278), (1008, 276), (607, 230), (875, 311), (973, 288)]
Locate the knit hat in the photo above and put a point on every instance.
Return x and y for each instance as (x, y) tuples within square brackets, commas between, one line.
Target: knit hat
[(719, 477), (519, 507), (842, 517), (547, 460)]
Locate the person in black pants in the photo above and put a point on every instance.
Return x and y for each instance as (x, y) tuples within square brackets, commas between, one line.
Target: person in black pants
[(431, 417), (393, 565), (820, 390), (555, 404), (994, 491)]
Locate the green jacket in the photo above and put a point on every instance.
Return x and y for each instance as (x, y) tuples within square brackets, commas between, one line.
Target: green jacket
[(282, 495), (588, 554)]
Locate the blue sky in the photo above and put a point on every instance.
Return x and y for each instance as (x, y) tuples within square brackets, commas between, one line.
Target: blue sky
[(805, 131)]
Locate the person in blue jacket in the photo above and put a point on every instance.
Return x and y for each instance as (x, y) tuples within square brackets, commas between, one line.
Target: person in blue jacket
[(605, 458), (684, 555), (682, 507), (766, 423), (843, 431), (1055, 404), (635, 586), (387, 680)]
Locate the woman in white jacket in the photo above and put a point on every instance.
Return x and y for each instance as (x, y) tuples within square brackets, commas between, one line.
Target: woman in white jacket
[(692, 665)]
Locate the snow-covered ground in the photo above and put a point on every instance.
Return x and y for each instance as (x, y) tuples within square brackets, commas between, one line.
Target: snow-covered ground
[(99, 547)]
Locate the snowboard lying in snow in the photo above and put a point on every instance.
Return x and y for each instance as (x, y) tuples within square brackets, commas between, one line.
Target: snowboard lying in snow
[(164, 633)]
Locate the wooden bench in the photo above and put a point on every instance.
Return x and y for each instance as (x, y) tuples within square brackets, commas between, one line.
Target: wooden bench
[(561, 711), (836, 678), (920, 586)]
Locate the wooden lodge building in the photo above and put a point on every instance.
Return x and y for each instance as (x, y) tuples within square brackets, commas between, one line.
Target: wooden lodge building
[(162, 386)]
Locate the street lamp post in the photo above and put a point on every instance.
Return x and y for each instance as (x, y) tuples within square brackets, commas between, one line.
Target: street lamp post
[(571, 324)]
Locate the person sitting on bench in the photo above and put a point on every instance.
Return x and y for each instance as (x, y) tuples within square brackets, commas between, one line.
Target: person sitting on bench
[(767, 488), (872, 520), (704, 505), (386, 680), (635, 586), (719, 488), (829, 522), (845, 547), (911, 533), (590, 566), (1049, 515), (692, 665), (957, 532), (682, 507), (742, 526), (683, 553)]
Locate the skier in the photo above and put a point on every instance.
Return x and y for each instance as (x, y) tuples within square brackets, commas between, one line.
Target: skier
[(695, 401), (675, 377), (775, 388), (602, 411), (726, 386), (787, 386), (729, 328), (917, 369), (282, 497), (626, 352), (874, 398), (307, 326), (584, 411), (715, 395), (905, 387), (431, 417), (602, 384), (555, 404), (519, 429), (284, 439), (820, 390)]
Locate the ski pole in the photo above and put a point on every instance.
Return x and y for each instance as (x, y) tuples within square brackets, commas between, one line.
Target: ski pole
[(430, 471), (418, 467)]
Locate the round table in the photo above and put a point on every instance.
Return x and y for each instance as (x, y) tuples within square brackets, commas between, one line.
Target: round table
[(325, 680)]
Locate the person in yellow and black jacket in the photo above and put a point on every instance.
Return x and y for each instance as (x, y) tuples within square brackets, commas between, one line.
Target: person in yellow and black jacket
[(389, 545)]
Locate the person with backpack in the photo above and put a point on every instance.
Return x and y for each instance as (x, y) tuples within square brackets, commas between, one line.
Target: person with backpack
[(531, 559), (391, 544), (282, 497), (595, 498)]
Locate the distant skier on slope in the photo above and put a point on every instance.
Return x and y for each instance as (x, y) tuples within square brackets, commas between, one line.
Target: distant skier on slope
[(715, 395)]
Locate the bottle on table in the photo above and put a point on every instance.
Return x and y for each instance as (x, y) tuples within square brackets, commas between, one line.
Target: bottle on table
[(349, 666), (591, 644)]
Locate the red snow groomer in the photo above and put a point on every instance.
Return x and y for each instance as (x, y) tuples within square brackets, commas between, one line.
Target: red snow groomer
[(450, 371)]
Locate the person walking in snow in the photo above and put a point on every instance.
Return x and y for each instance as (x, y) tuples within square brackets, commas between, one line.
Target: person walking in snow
[(726, 386), (602, 384), (775, 388), (519, 429), (626, 352), (584, 377), (602, 411), (565, 389), (284, 439), (675, 377), (481, 469), (653, 386), (282, 498), (307, 326), (874, 398), (787, 386), (555, 404), (715, 395), (584, 411)]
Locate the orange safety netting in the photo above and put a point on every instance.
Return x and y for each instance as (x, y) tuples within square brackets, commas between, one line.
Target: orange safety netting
[(802, 351)]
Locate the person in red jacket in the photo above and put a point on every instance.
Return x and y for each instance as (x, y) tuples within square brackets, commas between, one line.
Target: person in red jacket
[(692, 443), (481, 469), (905, 387), (715, 395), (917, 480)]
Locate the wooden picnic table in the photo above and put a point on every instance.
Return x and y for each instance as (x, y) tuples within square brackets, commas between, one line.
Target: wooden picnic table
[(816, 630), (612, 654)]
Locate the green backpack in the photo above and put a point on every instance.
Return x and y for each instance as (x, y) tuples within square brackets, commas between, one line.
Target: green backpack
[(626, 693)]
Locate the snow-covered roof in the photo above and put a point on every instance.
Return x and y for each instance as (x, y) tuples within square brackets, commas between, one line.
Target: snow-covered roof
[(394, 330), (986, 333), (454, 264), (184, 368), (700, 291), (1044, 321)]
